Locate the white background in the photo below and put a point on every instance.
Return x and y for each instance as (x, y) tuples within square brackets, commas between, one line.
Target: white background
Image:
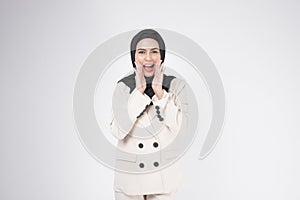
[(254, 44)]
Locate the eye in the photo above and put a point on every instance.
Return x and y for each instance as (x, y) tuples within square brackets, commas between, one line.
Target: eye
[(141, 52), (155, 51)]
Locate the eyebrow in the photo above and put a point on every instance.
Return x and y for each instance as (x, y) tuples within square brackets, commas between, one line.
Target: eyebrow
[(145, 49)]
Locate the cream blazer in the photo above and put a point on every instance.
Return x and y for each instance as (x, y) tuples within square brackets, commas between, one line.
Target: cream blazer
[(132, 115)]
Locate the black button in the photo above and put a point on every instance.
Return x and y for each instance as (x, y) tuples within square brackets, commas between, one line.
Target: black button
[(142, 165), (160, 118), (155, 144), (141, 145), (158, 112), (155, 164), (157, 107)]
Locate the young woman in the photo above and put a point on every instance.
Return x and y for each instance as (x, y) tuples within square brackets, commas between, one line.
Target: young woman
[(148, 111)]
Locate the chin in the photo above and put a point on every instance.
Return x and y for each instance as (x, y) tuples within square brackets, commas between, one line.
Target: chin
[(148, 75)]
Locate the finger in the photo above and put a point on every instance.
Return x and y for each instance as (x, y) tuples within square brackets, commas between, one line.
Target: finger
[(162, 72), (160, 62), (136, 64), (138, 67), (158, 79), (136, 73), (162, 69), (157, 68)]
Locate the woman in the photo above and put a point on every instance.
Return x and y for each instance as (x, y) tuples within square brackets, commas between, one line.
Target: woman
[(148, 108)]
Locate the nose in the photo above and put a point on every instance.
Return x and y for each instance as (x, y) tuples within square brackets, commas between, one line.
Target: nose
[(148, 57)]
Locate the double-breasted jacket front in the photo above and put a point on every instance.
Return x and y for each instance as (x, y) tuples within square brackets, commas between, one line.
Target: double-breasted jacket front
[(146, 126)]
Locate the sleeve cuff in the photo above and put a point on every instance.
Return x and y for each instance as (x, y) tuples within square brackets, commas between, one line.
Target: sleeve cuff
[(161, 102), (159, 105), (137, 102)]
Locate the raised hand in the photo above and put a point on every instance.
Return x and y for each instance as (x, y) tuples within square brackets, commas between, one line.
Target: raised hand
[(158, 79), (140, 81)]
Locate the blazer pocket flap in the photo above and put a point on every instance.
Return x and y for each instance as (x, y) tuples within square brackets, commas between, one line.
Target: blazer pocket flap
[(170, 154), (124, 156)]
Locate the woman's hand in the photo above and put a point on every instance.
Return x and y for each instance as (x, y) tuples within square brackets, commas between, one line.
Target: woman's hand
[(158, 80), (140, 81)]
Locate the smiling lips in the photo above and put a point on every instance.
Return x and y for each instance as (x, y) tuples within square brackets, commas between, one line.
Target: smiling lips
[(149, 68)]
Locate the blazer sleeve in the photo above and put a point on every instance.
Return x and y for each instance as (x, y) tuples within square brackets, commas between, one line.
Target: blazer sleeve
[(127, 108), (173, 106)]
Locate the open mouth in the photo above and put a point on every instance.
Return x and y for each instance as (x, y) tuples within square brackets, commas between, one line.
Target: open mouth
[(148, 68)]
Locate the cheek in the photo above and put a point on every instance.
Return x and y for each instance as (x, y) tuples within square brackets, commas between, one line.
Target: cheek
[(156, 57), (138, 57)]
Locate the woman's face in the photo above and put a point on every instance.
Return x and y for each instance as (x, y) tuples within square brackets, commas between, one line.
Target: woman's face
[(147, 54)]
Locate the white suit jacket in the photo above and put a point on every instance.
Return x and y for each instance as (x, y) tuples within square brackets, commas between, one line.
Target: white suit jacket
[(162, 120)]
